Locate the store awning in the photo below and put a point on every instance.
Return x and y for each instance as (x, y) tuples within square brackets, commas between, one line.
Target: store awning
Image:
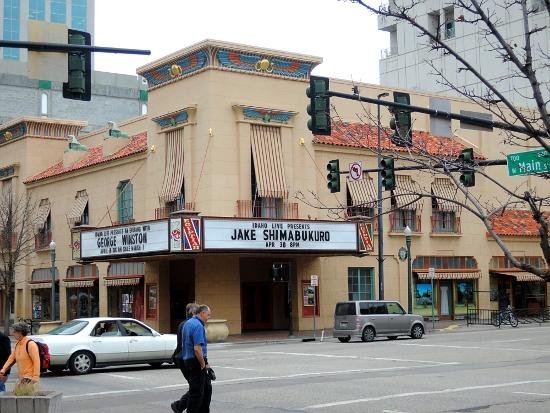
[(119, 281), (406, 193), (443, 188), (38, 286), (522, 276), (78, 283), (363, 192), (42, 215), (449, 275), (79, 205), (267, 153), (173, 168)]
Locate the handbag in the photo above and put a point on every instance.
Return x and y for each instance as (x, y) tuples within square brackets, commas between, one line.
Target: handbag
[(210, 373)]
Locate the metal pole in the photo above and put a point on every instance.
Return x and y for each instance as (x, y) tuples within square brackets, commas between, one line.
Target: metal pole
[(379, 217), (52, 253), (65, 48), (314, 310), (433, 320), (289, 291), (409, 274)]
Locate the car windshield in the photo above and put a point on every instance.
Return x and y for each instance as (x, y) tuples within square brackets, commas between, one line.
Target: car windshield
[(68, 329)]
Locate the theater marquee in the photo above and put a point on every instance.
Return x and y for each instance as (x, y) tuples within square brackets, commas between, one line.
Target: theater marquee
[(227, 234)]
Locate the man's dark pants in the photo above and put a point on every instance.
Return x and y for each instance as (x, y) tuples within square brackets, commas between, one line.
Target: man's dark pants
[(200, 387), (181, 404)]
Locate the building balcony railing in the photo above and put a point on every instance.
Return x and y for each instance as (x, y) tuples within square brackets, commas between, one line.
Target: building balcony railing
[(261, 209), (400, 219), (445, 224), (165, 211), (42, 240)]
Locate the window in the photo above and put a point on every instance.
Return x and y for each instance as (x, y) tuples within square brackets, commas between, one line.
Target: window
[(444, 262), (402, 218), (58, 11), (37, 10), (464, 292), (78, 13), (444, 221), (433, 24), (44, 104), (423, 294), (144, 108), (12, 10), (373, 308), (135, 329), (44, 235), (360, 283), (41, 296), (125, 201), (345, 309), (394, 308), (82, 302), (449, 22)]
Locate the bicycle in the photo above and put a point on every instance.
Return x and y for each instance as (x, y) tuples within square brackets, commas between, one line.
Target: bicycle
[(506, 316)]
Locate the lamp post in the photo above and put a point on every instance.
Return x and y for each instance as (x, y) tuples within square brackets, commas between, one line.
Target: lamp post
[(52, 257), (408, 233), (379, 211)]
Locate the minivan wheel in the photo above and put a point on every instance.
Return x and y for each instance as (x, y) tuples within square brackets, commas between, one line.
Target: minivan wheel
[(344, 339), (368, 334), (417, 331)]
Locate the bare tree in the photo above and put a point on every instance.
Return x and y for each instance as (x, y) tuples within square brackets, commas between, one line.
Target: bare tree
[(444, 159), (16, 242)]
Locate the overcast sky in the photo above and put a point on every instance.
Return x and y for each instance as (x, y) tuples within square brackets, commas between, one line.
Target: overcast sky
[(342, 33)]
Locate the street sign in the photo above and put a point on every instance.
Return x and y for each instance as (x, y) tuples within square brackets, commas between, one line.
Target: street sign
[(528, 163), (356, 171), (431, 272), (314, 280)]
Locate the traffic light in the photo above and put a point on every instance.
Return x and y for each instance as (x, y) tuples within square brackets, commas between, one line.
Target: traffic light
[(79, 84), (388, 174), (333, 176), (319, 106), (467, 177), (401, 122)]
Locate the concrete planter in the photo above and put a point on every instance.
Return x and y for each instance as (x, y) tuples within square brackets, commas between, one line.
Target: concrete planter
[(41, 402), (216, 330)]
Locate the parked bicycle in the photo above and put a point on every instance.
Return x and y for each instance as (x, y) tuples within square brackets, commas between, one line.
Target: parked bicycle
[(506, 316)]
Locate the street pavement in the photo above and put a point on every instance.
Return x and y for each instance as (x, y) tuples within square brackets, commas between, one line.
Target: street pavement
[(452, 369)]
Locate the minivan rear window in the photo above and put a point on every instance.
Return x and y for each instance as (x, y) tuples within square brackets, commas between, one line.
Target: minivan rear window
[(345, 309)]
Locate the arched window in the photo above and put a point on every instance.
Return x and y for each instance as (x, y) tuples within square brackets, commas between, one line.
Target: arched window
[(44, 104)]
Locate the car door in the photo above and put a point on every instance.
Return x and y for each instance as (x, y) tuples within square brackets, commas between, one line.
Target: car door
[(108, 343), (398, 320), (378, 315), (143, 344)]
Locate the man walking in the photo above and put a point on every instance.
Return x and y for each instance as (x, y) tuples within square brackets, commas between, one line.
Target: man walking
[(196, 361), (190, 310), (25, 354)]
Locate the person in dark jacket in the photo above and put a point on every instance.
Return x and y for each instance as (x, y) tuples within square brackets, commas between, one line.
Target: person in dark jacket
[(190, 310), (5, 351)]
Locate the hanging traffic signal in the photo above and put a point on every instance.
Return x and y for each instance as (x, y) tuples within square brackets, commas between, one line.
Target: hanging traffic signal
[(319, 106), (467, 177), (388, 173), (79, 84), (401, 122), (333, 176)]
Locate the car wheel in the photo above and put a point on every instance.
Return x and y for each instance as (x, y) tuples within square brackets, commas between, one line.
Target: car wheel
[(417, 331), (344, 339), (155, 365), (56, 369), (368, 334), (392, 337), (81, 362)]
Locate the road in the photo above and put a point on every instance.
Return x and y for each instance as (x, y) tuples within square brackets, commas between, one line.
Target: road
[(474, 370)]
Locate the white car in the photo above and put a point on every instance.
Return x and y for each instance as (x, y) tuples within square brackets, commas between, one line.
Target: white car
[(85, 343)]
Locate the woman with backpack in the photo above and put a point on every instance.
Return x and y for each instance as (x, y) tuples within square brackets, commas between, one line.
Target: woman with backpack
[(25, 354)]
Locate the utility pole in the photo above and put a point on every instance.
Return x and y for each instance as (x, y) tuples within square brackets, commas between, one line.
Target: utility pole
[(379, 218)]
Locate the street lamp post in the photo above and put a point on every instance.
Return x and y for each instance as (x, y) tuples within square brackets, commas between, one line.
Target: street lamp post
[(52, 257), (379, 211), (408, 233)]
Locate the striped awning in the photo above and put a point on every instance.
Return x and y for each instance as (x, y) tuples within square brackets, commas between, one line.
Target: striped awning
[(443, 190), (363, 192), (406, 193), (39, 286), (119, 281), (69, 283), (267, 154), (522, 276), (449, 275), (79, 205), (173, 168), (42, 215)]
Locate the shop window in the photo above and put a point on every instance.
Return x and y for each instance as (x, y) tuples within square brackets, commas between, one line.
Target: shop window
[(310, 296), (125, 201), (423, 294), (465, 292), (83, 302), (360, 283), (41, 296), (151, 293)]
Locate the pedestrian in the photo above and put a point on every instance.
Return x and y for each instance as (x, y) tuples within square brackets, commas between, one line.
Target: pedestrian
[(5, 351), (190, 310), (195, 359), (25, 354)]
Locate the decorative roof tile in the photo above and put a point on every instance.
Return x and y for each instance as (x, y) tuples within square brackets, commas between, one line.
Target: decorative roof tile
[(359, 135), (137, 144), (516, 223)]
